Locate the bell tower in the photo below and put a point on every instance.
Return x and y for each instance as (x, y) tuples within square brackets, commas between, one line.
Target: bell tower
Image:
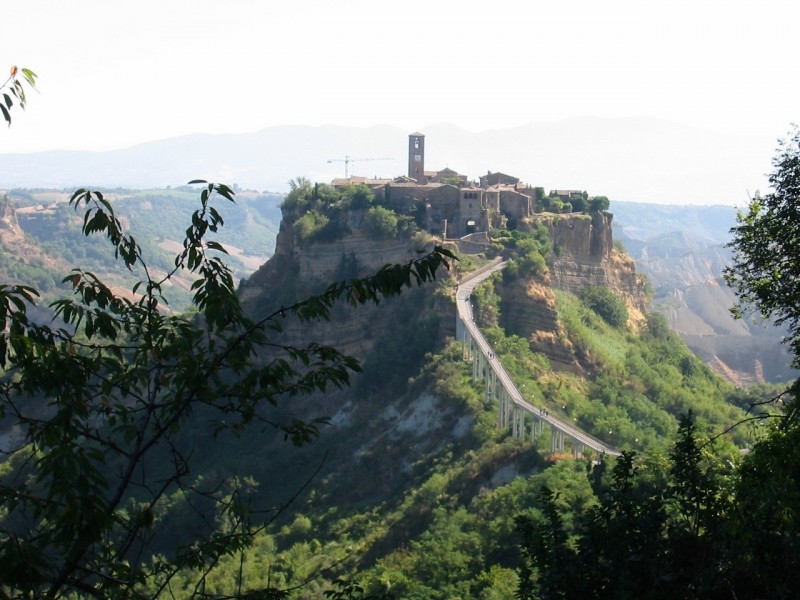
[(416, 157)]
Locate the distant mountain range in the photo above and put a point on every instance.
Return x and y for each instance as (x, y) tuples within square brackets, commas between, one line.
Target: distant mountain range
[(631, 159)]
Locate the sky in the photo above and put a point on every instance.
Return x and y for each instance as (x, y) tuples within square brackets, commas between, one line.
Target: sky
[(114, 74)]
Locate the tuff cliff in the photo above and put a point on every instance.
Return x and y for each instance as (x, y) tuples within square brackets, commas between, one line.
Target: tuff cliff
[(8, 221), (582, 255), (300, 268), (14, 241)]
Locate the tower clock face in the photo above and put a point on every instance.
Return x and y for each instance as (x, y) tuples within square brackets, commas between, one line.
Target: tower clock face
[(418, 158)]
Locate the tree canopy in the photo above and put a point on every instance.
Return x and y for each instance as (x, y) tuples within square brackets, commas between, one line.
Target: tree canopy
[(766, 245), (599, 203), (101, 402)]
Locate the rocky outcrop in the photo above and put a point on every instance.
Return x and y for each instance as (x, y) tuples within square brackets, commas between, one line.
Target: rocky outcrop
[(14, 241), (582, 256), (299, 269), (529, 309), (8, 221), (584, 237)]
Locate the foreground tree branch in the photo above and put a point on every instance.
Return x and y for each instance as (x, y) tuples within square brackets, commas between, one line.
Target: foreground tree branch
[(100, 403)]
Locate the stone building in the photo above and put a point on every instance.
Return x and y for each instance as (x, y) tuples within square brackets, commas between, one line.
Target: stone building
[(452, 205), (498, 178)]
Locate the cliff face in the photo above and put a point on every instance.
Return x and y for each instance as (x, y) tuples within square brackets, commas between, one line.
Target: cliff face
[(582, 256), (8, 222), (299, 269), (355, 254), (12, 237), (529, 310)]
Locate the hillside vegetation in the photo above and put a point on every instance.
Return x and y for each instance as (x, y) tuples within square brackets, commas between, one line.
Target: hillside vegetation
[(418, 491), (402, 485)]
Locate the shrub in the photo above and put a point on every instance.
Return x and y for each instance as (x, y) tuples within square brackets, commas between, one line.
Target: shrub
[(657, 326), (360, 197), (598, 203), (310, 224), (382, 222), (578, 203), (603, 302)]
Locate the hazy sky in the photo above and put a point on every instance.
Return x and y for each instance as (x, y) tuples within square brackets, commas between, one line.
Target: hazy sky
[(115, 73)]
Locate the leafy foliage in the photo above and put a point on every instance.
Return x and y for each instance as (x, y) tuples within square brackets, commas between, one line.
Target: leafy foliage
[(101, 403), (578, 203), (15, 90), (382, 222), (766, 243), (598, 203), (310, 225), (653, 534), (323, 213), (529, 249), (682, 528), (603, 301)]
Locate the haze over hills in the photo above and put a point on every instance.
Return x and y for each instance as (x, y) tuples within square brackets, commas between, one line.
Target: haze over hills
[(631, 159), (682, 251), (648, 161)]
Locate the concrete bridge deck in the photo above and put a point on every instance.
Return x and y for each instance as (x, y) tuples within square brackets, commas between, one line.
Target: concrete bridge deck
[(513, 411)]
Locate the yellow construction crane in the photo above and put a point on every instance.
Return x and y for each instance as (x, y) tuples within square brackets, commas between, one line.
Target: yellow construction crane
[(351, 159)]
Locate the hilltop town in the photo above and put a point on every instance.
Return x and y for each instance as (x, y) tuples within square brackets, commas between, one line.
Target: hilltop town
[(455, 207)]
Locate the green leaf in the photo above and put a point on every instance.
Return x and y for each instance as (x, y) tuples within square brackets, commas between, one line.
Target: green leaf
[(29, 76), (216, 246)]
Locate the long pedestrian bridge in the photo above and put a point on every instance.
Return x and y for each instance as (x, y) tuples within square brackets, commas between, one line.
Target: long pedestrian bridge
[(526, 421)]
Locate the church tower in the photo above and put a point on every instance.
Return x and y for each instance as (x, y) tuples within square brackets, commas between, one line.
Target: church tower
[(416, 157)]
